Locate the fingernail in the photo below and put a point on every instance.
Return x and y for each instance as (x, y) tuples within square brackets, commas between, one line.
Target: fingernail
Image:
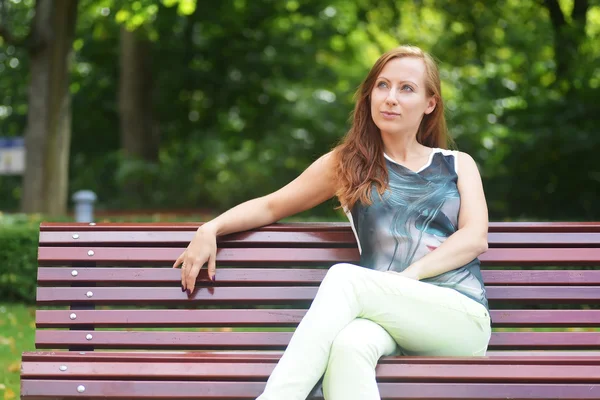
[(189, 292), (182, 289), (214, 278)]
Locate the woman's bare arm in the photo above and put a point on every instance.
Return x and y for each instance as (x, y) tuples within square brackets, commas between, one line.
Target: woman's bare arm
[(314, 186), (470, 240)]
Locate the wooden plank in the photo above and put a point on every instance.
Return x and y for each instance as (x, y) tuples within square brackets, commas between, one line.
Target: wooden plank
[(588, 226), (174, 295), (169, 318), (545, 318), (296, 256), (259, 238), (176, 340), (550, 256), (237, 371), (277, 318), (494, 226), (544, 239), (188, 226), (182, 238), (279, 295), (546, 357), (164, 256), (44, 389), (287, 276)]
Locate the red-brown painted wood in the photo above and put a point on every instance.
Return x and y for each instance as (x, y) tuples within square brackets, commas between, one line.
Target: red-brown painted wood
[(179, 238), (44, 389), (189, 226), (261, 370), (182, 238), (287, 276), (318, 226), (296, 256), (53, 339), (280, 295), (165, 256), (278, 317), (532, 365), (546, 357)]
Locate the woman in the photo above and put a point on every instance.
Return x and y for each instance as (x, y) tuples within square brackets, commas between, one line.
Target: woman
[(420, 218)]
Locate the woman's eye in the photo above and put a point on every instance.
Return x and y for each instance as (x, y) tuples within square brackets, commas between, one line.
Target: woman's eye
[(407, 87), (382, 84)]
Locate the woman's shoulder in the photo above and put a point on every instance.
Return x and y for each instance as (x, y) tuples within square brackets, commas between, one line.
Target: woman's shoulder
[(464, 162), (459, 159)]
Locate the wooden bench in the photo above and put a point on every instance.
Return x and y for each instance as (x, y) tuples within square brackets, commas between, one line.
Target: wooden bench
[(106, 284)]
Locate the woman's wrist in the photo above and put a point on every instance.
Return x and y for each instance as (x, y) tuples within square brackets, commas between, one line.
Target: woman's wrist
[(208, 227)]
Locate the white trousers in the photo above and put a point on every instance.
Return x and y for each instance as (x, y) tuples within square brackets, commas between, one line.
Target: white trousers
[(359, 315)]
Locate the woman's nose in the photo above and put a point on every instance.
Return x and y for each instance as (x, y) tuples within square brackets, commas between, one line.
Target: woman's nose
[(391, 99)]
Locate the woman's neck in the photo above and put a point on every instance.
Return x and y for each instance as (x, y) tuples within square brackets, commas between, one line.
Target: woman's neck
[(403, 148)]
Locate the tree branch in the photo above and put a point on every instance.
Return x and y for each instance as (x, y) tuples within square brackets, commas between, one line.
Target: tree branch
[(476, 36), (5, 32), (556, 15), (362, 18), (10, 39)]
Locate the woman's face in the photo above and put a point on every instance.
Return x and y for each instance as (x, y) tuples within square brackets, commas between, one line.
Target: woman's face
[(399, 98)]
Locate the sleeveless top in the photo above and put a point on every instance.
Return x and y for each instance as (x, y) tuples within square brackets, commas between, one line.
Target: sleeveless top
[(418, 212)]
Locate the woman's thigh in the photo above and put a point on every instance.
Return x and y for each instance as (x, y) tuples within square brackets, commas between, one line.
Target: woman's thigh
[(423, 319)]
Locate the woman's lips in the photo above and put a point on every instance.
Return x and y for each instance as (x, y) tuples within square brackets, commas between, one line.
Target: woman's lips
[(389, 115)]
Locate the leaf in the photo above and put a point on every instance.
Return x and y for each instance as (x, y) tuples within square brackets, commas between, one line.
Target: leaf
[(9, 394), (9, 341), (14, 367)]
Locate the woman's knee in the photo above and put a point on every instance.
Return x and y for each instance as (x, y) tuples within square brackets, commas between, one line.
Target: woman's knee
[(351, 345), (341, 272)]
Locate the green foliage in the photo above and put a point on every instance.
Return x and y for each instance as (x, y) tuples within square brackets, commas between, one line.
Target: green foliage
[(248, 93), (18, 260)]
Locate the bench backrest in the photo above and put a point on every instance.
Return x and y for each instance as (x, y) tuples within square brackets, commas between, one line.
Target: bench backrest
[(112, 286)]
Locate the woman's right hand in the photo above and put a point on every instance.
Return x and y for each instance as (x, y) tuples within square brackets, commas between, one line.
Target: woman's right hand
[(201, 250)]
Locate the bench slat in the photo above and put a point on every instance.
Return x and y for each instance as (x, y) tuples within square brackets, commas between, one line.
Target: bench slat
[(296, 256), (52, 339), (261, 371), (277, 317), (314, 226), (165, 256), (193, 226), (278, 295), (42, 389), (305, 276), (178, 238), (546, 357), (182, 238)]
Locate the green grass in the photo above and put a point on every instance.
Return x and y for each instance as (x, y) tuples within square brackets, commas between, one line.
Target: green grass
[(17, 330)]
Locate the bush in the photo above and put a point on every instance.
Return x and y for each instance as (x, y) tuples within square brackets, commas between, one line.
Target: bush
[(18, 261)]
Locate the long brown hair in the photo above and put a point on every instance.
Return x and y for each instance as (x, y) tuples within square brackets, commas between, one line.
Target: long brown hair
[(360, 163)]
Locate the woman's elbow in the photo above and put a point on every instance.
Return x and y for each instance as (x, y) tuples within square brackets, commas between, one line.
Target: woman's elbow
[(482, 245)]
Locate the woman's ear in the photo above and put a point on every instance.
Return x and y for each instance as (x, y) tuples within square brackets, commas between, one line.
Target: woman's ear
[(431, 105)]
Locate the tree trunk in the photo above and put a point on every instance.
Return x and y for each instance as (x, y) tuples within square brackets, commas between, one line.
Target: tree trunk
[(48, 131), (139, 134)]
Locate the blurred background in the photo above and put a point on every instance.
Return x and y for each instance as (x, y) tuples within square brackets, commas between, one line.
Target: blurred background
[(185, 106), (180, 109)]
